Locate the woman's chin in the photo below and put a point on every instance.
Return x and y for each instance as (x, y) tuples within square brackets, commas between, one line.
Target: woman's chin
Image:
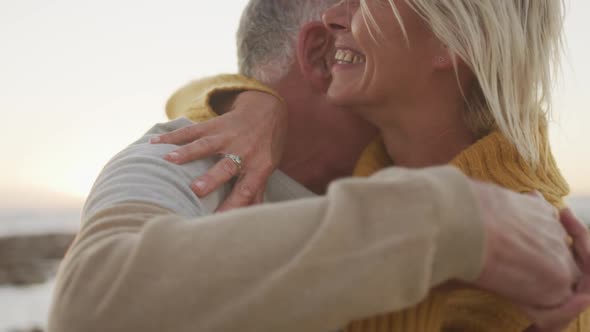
[(342, 94), (338, 98)]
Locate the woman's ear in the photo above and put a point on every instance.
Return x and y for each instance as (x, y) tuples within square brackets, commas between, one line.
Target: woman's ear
[(314, 47)]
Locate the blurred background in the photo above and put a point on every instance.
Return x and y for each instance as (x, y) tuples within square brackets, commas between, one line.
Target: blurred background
[(80, 80)]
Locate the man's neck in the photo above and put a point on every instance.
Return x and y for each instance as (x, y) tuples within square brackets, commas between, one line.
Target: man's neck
[(323, 143)]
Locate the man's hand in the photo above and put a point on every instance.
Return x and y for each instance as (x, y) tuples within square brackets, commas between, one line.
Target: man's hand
[(558, 318), (254, 130), (528, 259)]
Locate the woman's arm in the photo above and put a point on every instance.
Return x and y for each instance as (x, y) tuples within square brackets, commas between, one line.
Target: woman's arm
[(197, 99), (255, 130)]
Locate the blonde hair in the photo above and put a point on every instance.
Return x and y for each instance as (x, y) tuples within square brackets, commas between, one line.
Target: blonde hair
[(513, 48)]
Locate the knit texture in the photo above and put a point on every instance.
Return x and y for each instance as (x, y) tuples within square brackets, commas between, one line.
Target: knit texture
[(491, 159), (193, 100)]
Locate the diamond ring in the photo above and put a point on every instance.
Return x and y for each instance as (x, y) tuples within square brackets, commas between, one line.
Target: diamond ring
[(236, 159)]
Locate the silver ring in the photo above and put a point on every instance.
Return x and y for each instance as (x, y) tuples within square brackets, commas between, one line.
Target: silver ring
[(236, 159)]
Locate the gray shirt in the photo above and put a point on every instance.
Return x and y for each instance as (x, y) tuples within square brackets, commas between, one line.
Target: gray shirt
[(140, 173)]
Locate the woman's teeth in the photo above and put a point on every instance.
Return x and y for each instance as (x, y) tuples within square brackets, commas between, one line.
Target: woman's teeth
[(348, 57)]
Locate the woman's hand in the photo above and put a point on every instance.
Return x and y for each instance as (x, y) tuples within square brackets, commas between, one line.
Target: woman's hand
[(254, 129)]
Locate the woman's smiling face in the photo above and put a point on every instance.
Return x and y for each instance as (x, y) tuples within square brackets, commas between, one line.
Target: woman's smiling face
[(373, 66)]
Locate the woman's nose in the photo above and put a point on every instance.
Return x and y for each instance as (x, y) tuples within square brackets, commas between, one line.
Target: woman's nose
[(337, 17)]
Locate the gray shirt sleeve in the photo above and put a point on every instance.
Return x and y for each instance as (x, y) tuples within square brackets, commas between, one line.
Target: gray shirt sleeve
[(140, 173)]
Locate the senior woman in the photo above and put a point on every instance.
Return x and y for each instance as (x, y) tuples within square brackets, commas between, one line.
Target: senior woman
[(472, 88), (463, 82)]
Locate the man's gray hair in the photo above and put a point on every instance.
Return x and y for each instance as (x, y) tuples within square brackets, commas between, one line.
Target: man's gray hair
[(267, 35)]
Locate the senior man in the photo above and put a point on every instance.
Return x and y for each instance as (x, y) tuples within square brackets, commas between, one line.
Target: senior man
[(151, 257)]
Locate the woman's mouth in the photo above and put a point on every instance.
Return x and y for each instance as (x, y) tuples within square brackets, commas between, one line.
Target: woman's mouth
[(348, 57)]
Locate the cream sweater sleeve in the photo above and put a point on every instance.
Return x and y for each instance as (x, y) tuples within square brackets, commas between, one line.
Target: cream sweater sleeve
[(369, 246)]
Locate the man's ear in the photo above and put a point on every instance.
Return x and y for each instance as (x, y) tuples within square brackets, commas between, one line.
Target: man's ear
[(314, 46)]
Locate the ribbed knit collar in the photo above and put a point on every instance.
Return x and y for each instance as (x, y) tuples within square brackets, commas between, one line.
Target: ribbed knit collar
[(492, 159)]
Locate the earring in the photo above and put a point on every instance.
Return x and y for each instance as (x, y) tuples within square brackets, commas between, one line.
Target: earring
[(441, 60)]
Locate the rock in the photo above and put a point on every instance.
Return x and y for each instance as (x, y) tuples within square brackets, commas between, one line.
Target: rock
[(34, 329), (26, 260)]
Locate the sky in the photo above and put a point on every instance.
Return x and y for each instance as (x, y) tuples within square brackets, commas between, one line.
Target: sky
[(80, 80)]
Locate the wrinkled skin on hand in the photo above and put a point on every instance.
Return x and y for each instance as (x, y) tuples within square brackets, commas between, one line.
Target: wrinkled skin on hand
[(528, 259), (254, 129)]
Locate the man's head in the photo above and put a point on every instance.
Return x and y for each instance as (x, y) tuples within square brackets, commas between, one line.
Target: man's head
[(274, 35), (284, 44)]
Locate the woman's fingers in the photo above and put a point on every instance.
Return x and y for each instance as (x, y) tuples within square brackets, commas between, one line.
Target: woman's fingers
[(181, 136), (223, 171), (198, 149), (260, 196), (255, 129), (245, 192)]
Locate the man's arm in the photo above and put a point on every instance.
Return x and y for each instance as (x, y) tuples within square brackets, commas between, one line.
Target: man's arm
[(371, 245)]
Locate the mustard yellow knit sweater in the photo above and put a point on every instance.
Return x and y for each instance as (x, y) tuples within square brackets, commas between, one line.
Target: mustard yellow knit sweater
[(493, 159)]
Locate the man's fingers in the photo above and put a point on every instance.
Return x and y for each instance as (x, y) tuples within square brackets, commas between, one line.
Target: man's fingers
[(199, 149), (181, 136), (244, 192), (223, 171), (557, 319)]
